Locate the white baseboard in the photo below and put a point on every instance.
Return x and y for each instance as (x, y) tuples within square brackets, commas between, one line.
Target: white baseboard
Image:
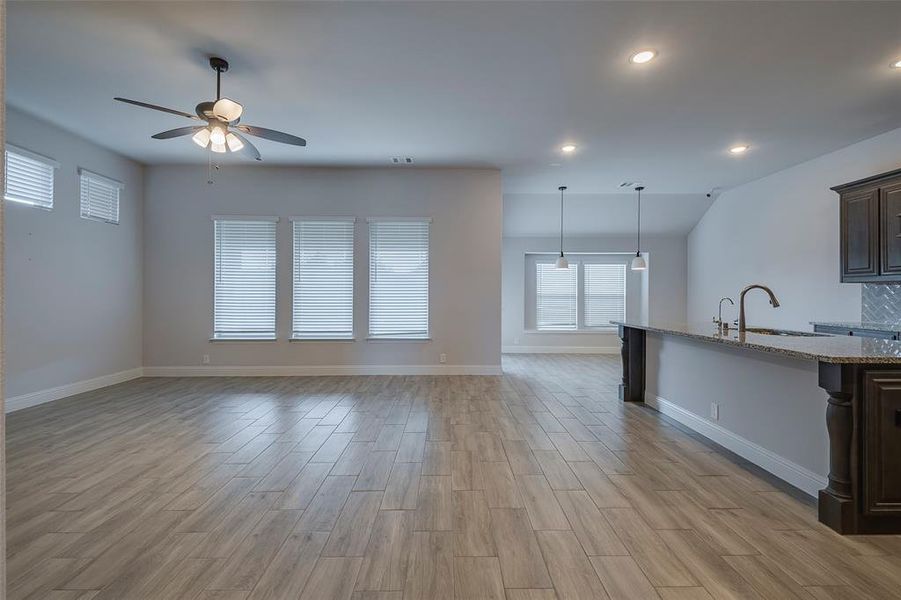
[(309, 370), (560, 349), (803, 479), (15, 403)]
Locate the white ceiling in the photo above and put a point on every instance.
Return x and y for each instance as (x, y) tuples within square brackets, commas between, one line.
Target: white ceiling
[(588, 215), (500, 84)]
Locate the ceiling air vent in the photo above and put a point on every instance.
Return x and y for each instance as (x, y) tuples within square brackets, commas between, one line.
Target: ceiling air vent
[(402, 160)]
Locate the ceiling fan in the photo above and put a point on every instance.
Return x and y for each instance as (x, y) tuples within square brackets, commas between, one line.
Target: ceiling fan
[(223, 130)]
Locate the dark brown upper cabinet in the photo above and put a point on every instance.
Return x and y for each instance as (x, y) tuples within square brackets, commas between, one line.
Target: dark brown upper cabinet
[(870, 224)]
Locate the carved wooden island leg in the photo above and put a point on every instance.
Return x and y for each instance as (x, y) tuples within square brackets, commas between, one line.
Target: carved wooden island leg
[(633, 355), (837, 502)]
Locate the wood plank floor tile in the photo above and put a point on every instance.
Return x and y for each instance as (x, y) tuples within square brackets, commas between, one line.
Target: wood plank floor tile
[(522, 564), (478, 578), (535, 485), (570, 569)]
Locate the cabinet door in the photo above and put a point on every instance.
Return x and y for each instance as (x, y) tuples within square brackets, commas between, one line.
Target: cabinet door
[(859, 219), (890, 218), (882, 442)]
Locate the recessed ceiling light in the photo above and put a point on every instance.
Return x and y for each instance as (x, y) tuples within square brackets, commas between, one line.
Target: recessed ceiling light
[(740, 149), (639, 58), (568, 148), (896, 64)]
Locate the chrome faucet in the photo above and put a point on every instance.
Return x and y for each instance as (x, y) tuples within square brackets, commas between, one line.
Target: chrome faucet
[(721, 325), (741, 303)]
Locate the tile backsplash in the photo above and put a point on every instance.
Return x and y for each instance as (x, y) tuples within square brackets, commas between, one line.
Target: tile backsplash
[(881, 303)]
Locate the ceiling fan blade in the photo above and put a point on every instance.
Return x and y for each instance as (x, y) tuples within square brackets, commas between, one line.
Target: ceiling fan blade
[(159, 108), (248, 149), (174, 133), (273, 135)]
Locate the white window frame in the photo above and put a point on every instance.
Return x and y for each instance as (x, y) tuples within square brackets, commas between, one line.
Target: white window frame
[(298, 336), (250, 336), (34, 157), (422, 336), (97, 178), (578, 260)]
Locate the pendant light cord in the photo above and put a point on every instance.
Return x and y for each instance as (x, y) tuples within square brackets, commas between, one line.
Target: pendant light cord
[(638, 241), (561, 223), (561, 188)]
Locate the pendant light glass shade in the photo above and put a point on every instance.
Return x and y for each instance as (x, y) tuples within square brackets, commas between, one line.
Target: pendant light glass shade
[(639, 263), (561, 263)]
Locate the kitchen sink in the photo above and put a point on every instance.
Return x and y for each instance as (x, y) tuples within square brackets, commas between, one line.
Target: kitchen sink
[(784, 332)]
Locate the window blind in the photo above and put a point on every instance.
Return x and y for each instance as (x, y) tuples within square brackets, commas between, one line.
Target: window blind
[(29, 179), (604, 294), (399, 279), (557, 308), (244, 287), (99, 197), (323, 279)]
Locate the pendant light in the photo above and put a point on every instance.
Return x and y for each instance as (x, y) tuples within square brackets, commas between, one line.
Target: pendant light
[(638, 263), (561, 263)]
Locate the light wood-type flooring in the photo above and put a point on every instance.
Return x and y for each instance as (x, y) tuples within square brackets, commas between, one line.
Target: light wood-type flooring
[(532, 486)]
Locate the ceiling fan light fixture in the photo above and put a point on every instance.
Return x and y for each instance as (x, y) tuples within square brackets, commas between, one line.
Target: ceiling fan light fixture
[(217, 135), (218, 148), (202, 138), (227, 109), (234, 142)]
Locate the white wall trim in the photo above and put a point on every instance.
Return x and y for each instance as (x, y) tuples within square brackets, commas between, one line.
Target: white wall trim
[(803, 479), (15, 403), (560, 350), (307, 370)]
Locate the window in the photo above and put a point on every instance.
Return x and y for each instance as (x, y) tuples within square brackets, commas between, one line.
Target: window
[(99, 197), (324, 279), (29, 178), (556, 291), (584, 297), (399, 279), (244, 278)]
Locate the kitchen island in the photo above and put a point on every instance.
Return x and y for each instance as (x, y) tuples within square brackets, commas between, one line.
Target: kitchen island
[(861, 407)]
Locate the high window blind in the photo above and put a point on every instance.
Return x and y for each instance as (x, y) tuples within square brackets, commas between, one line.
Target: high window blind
[(556, 289), (244, 287), (604, 294), (323, 279), (99, 197), (29, 178), (399, 279)]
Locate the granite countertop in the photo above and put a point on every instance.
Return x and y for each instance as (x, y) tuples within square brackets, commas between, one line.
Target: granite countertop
[(871, 325), (823, 348)]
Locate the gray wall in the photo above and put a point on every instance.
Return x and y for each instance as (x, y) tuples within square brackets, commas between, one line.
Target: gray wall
[(73, 286), (663, 289), (771, 401), (782, 231), (465, 205)]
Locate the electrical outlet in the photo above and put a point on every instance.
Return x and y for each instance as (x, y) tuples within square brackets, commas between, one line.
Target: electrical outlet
[(714, 411), (442, 358), (206, 359)]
